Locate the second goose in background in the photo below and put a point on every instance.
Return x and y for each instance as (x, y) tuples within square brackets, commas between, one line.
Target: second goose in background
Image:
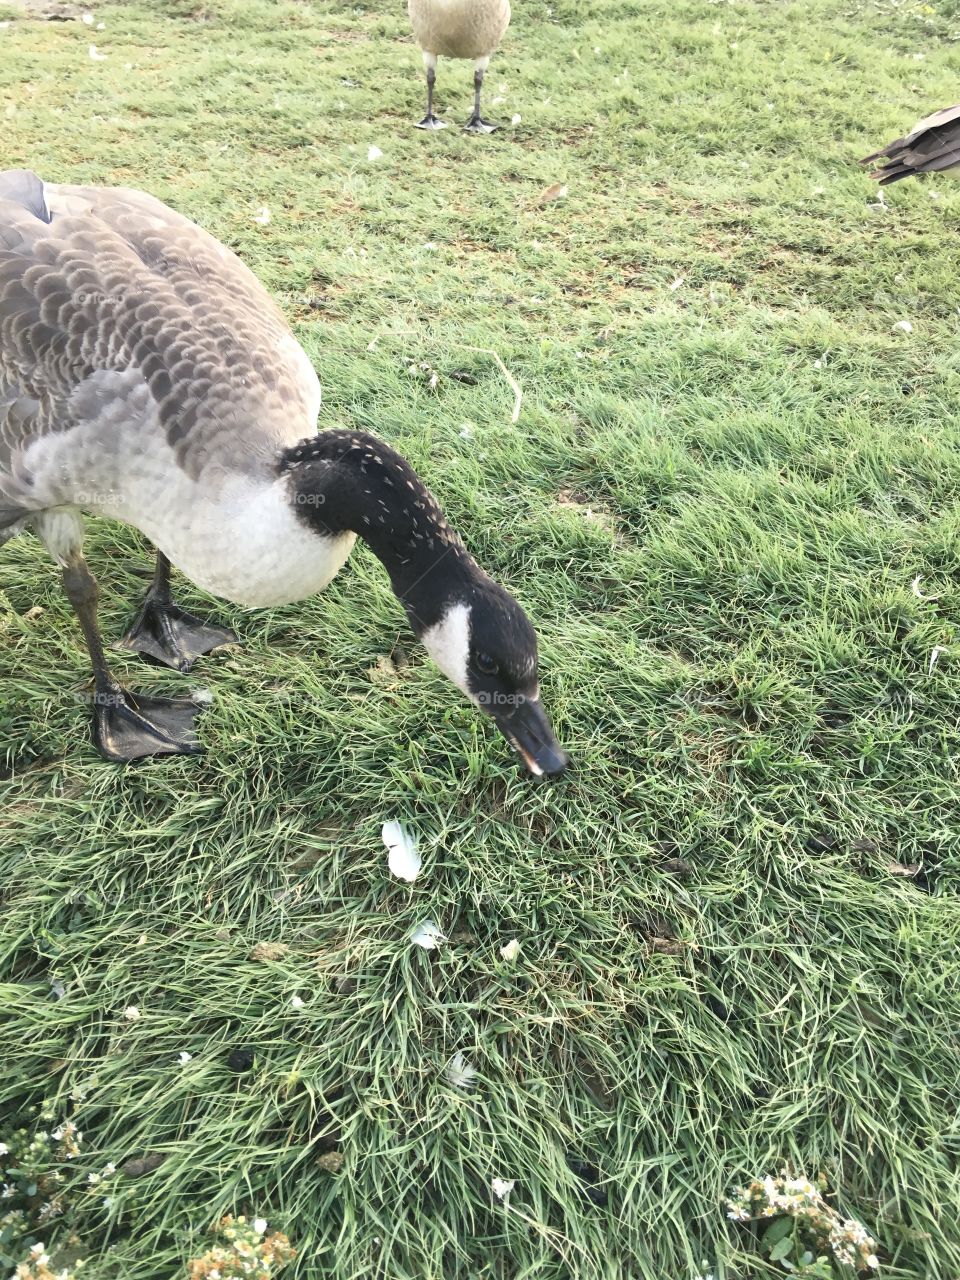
[(458, 29)]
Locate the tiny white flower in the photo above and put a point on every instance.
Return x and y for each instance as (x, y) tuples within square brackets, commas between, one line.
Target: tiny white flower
[(510, 950), (263, 217), (109, 1169), (459, 1072), (185, 1057), (402, 857), (374, 153), (259, 1225), (296, 1002), (427, 935), (93, 1178), (108, 1202), (501, 1188), (95, 54), (131, 1013)]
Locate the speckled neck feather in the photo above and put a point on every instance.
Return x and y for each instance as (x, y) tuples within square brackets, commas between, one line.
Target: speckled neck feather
[(349, 480)]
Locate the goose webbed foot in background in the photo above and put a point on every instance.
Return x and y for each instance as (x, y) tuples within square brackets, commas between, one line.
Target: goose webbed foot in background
[(430, 121), (168, 634), (476, 123), (126, 725)]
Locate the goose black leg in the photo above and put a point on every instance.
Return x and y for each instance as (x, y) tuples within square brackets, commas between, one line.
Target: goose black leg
[(476, 123), (430, 121), (126, 725), (167, 633)]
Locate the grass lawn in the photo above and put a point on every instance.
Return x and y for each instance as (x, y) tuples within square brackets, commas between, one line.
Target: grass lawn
[(739, 914)]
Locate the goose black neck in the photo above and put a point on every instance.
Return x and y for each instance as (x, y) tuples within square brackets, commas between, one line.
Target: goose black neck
[(350, 481)]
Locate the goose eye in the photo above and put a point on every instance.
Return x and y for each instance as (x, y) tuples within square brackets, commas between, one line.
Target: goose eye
[(486, 664)]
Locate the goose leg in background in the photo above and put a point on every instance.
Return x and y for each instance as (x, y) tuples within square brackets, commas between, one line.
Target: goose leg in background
[(126, 725), (169, 634), (430, 121), (476, 123)]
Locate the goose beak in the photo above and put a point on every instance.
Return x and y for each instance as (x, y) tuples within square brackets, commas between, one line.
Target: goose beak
[(527, 728)]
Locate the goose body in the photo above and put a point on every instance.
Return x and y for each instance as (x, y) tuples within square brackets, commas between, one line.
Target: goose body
[(458, 29), (931, 146), (147, 376)]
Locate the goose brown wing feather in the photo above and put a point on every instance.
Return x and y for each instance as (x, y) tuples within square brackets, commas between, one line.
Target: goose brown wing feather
[(931, 146), (117, 282)]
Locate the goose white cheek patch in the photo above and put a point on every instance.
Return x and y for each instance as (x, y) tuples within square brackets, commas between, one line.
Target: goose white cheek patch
[(448, 644)]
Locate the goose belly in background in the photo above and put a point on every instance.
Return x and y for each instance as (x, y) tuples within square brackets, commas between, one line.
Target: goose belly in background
[(459, 28)]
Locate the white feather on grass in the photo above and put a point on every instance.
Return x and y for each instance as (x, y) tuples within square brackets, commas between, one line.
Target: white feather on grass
[(427, 935), (402, 857)]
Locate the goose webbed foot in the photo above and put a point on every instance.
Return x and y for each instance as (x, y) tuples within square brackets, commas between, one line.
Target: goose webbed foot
[(477, 124), (170, 635), (128, 726), (430, 121)]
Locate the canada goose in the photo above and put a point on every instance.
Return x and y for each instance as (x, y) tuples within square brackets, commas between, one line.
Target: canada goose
[(146, 375), (932, 146), (458, 29)]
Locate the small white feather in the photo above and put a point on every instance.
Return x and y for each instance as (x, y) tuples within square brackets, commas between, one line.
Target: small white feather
[(460, 1073), (915, 588), (427, 935), (510, 950), (402, 857), (501, 1188)]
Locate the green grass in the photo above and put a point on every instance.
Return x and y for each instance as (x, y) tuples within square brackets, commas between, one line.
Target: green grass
[(713, 505)]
